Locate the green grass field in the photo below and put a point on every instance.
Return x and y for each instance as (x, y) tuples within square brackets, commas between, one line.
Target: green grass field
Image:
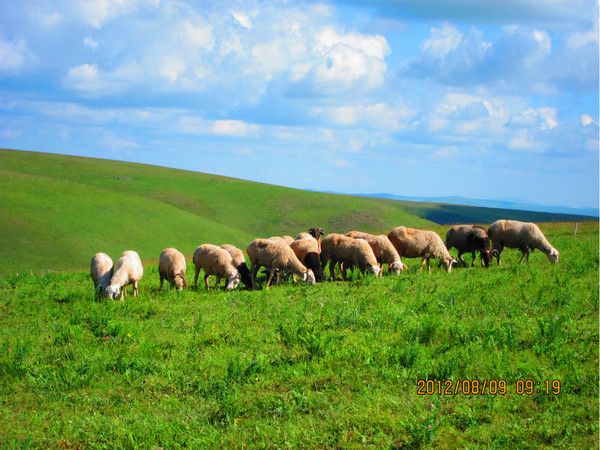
[(331, 365)]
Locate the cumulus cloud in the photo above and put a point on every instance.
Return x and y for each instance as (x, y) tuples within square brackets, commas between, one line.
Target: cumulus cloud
[(14, 55)]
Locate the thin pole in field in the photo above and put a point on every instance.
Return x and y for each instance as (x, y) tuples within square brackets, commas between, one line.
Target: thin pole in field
[(576, 227)]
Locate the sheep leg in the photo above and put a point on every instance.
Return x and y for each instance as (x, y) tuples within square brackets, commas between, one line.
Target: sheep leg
[(422, 264), (253, 272), (135, 289), (344, 269), (206, 280), (271, 273), (162, 279), (197, 272), (332, 264), (460, 258), (428, 266), (524, 254), (473, 260)]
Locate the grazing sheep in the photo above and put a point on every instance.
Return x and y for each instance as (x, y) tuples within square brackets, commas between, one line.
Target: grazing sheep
[(348, 252), (101, 271), (172, 267), (129, 271), (413, 243), (307, 251), (218, 262), (275, 254), (239, 261), (384, 251), (470, 239), (525, 236)]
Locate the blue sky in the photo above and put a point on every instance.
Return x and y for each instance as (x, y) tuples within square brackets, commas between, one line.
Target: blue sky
[(494, 99)]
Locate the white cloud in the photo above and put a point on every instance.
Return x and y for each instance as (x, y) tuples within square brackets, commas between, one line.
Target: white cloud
[(232, 127), (90, 43), (97, 12), (536, 118), (13, 56), (442, 41), (84, 77), (242, 19), (586, 120), (372, 45), (524, 141), (171, 68), (199, 125), (199, 36), (375, 116)]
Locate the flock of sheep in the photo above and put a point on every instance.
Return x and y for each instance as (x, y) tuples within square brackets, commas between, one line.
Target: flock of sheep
[(307, 256)]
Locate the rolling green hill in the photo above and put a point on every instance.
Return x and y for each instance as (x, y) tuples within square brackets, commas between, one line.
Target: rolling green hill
[(57, 211)]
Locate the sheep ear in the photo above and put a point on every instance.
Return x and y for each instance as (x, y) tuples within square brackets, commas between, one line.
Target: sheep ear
[(304, 276)]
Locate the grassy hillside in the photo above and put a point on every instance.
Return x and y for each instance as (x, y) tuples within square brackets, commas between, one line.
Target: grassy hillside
[(331, 365), (57, 211)]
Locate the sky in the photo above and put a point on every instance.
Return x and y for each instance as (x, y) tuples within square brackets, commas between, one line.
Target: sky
[(495, 99)]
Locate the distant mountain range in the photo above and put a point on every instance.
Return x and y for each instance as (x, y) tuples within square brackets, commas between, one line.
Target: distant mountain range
[(503, 204)]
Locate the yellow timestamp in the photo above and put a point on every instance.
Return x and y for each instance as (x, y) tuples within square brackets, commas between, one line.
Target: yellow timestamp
[(488, 386)]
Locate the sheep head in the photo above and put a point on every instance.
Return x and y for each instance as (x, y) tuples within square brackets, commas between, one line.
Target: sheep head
[(486, 256), (179, 281), (233, 282), (113, 292), (309, 277), (553, 256), (447, 263), (396, 267)]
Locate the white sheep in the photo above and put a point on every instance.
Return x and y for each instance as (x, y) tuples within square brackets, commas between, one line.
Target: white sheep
[(275, 254), (101, 271), (172, 267), (348, 252), (129, 271), (525, 236), (413, 243), (218, 262), (384, 251), (239, 261)]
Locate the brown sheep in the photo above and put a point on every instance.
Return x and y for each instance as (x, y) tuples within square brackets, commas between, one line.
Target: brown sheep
[(525, 236), (348, 252)]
